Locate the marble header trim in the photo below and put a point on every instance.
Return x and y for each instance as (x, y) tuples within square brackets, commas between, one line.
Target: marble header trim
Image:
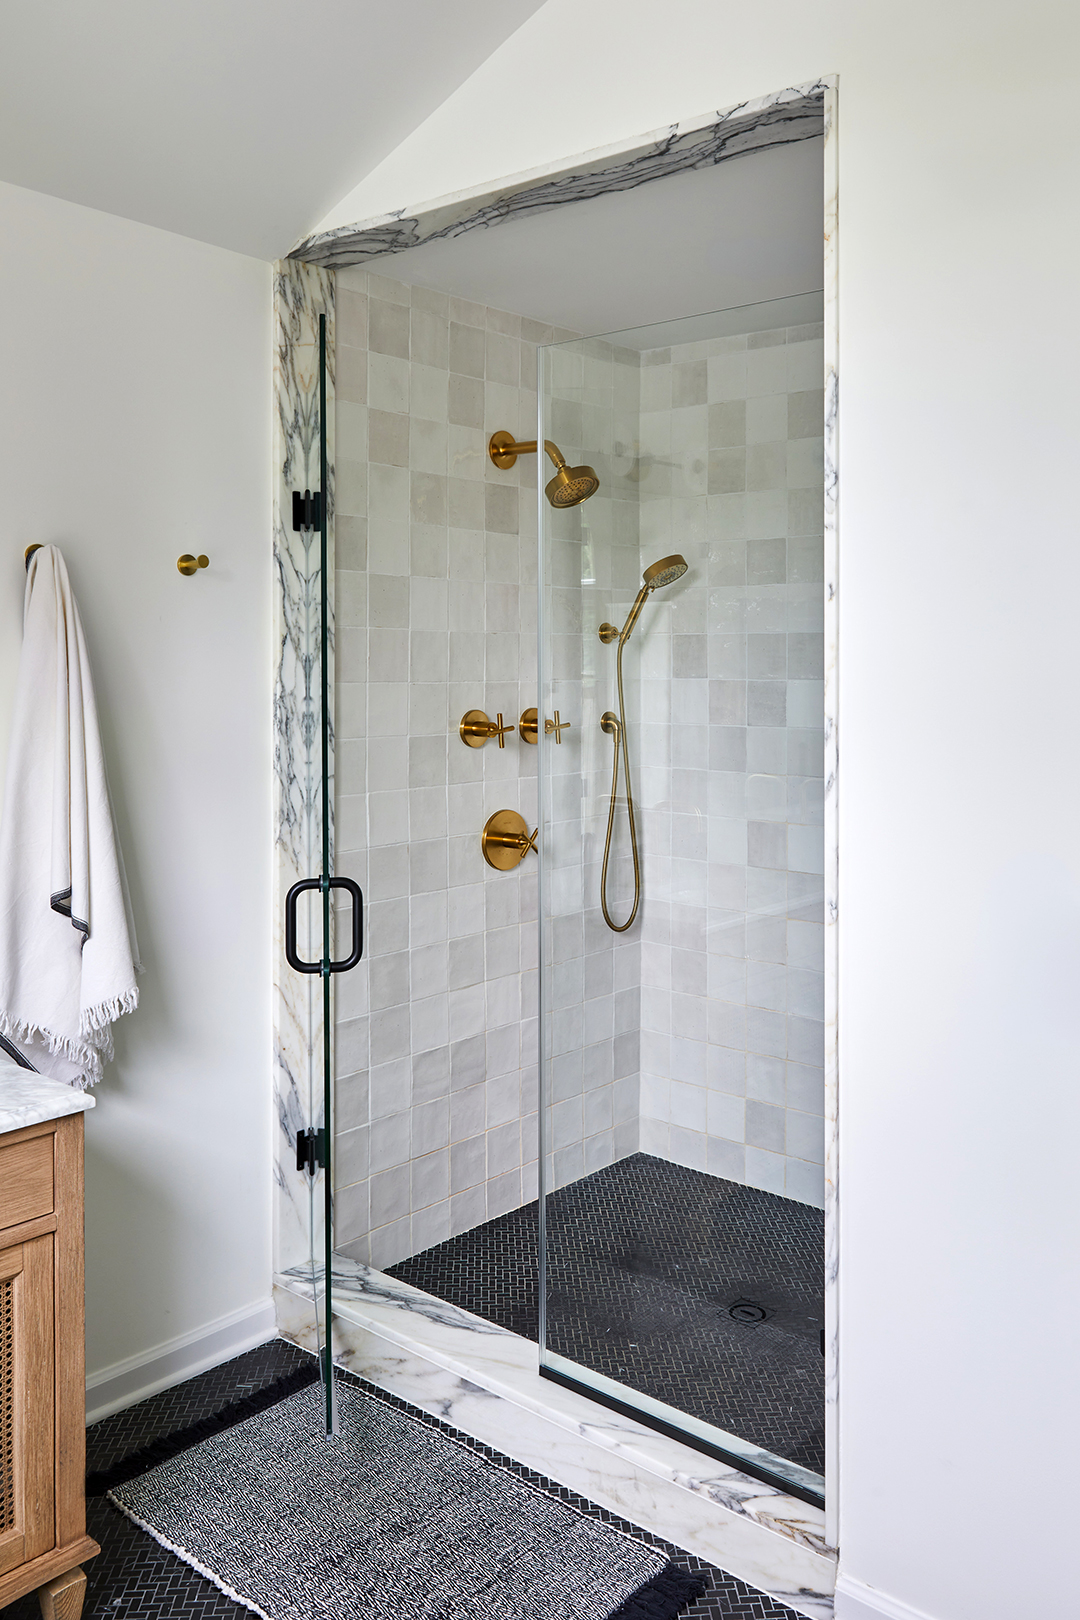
[(794, 114), (30, 1099)]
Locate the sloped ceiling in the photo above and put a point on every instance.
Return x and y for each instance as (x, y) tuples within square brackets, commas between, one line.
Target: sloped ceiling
[(237, 122)]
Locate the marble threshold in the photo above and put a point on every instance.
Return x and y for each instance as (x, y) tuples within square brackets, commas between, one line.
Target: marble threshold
[(485, 1380)]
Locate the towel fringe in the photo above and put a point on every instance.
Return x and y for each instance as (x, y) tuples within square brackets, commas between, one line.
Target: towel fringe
[(89, 1056), (98, 1018)]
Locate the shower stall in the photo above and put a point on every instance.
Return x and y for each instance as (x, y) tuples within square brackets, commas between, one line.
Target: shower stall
[(574, 1085)]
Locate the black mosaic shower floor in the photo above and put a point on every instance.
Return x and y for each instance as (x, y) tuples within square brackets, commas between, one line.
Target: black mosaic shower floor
[(702, 1293), (133, 1578)]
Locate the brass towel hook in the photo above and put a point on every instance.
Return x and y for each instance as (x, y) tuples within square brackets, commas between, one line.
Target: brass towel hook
[(506, 840), (28, 553), (187, 564)]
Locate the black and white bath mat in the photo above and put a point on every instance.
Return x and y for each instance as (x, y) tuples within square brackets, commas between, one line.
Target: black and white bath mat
[(391, 1520)]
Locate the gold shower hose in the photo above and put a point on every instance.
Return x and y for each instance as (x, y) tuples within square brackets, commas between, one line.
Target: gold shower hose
[(616, 726), (657, 575)]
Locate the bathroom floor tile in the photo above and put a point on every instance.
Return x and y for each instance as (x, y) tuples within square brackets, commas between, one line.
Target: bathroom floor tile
[(703, 1293), (133, 1578)]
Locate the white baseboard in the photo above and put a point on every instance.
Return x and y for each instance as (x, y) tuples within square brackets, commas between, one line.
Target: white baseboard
[(857, 1601), (125, 1382)]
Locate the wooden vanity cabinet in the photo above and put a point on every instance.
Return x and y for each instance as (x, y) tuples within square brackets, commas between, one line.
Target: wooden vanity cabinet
[(43, 1536)]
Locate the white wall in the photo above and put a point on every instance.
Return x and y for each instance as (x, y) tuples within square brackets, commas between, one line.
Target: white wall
[(135, 425), (960, 933)]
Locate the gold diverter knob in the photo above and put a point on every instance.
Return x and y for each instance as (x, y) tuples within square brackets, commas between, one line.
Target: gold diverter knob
[(506, 840), (476, 729)]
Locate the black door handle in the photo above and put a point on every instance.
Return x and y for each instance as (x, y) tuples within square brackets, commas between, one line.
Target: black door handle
[(357, 951)]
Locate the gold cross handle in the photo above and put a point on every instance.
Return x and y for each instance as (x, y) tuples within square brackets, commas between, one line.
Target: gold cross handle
[(506, 840), (476, 729), (557, 726)]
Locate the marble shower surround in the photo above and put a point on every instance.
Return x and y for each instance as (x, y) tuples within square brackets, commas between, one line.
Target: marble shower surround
[(290, 1221), (792, 114), (301, 293)]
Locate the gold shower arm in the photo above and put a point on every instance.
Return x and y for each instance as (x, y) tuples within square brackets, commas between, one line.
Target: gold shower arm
[(504, 450), (570, 485)]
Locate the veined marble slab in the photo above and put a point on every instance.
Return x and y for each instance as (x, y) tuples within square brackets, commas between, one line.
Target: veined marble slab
[(27, 1098), (301, 295), (794, 114), (485, 1380)]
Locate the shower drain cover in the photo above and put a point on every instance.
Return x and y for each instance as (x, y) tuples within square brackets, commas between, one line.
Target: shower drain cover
[(748, 1311)]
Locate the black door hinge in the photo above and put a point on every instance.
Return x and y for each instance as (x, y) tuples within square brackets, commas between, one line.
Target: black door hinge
[(306, 510), (311, 1151)]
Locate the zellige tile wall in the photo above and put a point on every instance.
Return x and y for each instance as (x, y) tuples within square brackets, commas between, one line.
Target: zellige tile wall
[(593, 975), (436, 1094), (731, 760)]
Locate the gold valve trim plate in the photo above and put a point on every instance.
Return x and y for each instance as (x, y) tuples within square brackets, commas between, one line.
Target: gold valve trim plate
[(506, 840), (476, 729), (529, 726), (187, 564)]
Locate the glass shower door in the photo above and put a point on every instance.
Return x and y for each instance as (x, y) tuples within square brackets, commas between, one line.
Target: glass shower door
[(681, 900), (309, 921)]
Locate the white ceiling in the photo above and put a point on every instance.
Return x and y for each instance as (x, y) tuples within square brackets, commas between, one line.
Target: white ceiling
[(237, 122), (744, 231)]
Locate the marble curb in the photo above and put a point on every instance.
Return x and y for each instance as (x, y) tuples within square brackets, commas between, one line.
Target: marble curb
[(484, 1380)]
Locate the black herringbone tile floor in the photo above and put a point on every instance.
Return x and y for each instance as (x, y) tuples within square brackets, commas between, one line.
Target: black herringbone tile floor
[(133, 1578), (703, 1293)]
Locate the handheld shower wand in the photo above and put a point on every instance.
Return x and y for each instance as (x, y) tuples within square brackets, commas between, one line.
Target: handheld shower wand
[(658, 574)]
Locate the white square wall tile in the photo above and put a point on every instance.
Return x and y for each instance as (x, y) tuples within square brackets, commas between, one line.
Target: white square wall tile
[(687, 1147), (805, 1137), (655, 1097), (725, 1116), (688, 1105), (765, 1170), (805, 1182), (806, 849)]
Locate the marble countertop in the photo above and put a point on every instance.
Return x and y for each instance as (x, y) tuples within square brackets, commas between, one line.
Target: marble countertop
[(28, 1099)]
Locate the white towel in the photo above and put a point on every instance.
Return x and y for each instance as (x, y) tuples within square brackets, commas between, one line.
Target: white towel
[(68, 956)]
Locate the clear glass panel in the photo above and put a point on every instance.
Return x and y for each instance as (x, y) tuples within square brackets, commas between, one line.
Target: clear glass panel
[(312, 931), (681, 1056)]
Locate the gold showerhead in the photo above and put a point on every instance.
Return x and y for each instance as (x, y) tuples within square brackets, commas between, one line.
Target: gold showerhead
[(658, 574), (570, 485), (665, 572)]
